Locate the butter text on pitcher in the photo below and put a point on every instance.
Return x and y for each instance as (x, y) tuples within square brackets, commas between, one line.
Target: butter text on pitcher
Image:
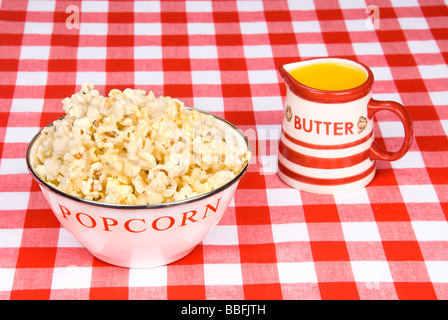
[(323, 127)]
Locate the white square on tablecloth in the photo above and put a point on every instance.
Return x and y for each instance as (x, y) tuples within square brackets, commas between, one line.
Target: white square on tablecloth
[(71, 277), (269, 131), (283, 197), (14, 200), (287, 232), (356, 24), (407, 3), (412, 23), (27, 105), (274, 103), (195, 28), (245, 5), (147, 52), (437, 271), (209, 104), (258, 51), (352, 4), (418, 193), (203, 52), (34, 52), (92, 53), (13, 166), (41, 5), (67, 240), (31, 78), (259, 27), (269, 164), (360, 231), (96, 29), (205, 77), (222, 235), (393, 96), (20, 134), (148, 277), (439, 97), (147, 6), (423, 46), (148, 77), (97, 78), (7, 278), (445, 126), (10, 238), (367, 48), (371, 272), (437, 71), (94, 6), (306, 26), (198, 6), (301, 5), (312, 50), (356, 197), (391, 129), (297, 272), (430, 230), (222, 274), (262, 76), (381, 73), (412, 159), (147, 29)]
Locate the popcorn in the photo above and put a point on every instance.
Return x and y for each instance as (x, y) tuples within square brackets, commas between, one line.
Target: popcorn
[(135, 148)]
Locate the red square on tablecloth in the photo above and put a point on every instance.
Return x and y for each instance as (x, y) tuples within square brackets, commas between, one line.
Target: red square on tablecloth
[(402, 251), (6, 91), (321, 213), (120, 41), (252, 180), (36, 294), (40, 218), (182, 91), (252, 215), (48, 117), (187, 292), (228, 64), (119, 65), (390, 212), (229, 40), (268, 291), (338, 291), (278, 15), (9, 64), (415, 291), (35, 257), (391, 36), (109, 293), (432, 143), (225, 17), (65, 65), (67, 40), (120, 17), (257, 253), (329, 251)]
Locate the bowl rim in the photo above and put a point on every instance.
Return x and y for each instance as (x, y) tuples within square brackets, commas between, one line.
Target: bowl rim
[(139, 206)]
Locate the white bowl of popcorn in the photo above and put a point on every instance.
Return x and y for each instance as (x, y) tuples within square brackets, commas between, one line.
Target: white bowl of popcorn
[(138, 180)]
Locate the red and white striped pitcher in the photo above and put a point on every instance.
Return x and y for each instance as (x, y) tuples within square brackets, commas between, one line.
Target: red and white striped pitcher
[(327, 143)]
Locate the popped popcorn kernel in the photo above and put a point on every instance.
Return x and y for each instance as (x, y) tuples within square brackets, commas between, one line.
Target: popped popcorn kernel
[(135, 148)]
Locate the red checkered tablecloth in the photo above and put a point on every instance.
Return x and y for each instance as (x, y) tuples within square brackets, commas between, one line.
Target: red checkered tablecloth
[(387, 241)]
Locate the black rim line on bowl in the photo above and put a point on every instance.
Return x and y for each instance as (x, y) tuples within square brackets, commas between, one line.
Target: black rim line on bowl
[(139, 206)]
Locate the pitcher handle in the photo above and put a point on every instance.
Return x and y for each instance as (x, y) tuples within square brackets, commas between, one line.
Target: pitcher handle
[(377, 152)]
